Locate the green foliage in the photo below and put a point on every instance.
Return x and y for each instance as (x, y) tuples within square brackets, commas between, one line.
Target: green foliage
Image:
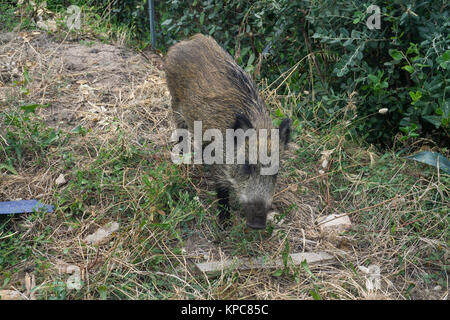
[(26, 136), (7, 20), (133, 13), (405, 62), (10, 249)]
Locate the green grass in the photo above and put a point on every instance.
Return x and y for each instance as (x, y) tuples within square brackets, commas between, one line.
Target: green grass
[(158, 211), (157, 200)]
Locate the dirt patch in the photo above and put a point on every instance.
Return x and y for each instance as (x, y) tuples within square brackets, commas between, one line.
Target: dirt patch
[(88, 83)]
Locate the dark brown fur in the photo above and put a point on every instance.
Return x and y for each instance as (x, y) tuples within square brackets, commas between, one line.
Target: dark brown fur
[(207, 85)]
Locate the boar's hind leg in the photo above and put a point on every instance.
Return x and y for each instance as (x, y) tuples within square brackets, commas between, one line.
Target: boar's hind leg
[(176, 112), (224, 203), (179, 120), (180, 123)]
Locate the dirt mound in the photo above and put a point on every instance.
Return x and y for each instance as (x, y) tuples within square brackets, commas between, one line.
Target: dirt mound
[(86, 83)]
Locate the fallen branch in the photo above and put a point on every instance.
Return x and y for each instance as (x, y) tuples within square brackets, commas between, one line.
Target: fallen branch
[(214, 267)]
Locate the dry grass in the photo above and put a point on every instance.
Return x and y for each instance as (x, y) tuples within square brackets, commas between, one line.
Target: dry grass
[(118, 169)]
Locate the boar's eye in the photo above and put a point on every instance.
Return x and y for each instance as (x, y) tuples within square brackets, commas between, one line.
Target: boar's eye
[(248, 168)]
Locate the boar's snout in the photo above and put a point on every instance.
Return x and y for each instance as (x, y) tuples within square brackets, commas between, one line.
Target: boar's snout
[(256, 214)]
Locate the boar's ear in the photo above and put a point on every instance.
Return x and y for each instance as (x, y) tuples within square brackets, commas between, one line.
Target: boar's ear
[(285, 131), (242, 122)]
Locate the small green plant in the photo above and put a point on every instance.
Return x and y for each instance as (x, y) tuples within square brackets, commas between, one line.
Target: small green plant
[(289, 269), (23, 84), (8, 20), (410, 132), (26, 135), (377, 83)]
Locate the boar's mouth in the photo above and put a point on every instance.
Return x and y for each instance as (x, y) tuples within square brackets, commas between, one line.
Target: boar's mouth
[(259, 223), (256, 215)]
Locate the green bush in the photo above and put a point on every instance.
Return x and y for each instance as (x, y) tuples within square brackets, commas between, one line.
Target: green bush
[(403, 66)]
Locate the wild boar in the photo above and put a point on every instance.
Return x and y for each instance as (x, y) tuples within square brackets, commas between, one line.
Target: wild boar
[(207, 85)]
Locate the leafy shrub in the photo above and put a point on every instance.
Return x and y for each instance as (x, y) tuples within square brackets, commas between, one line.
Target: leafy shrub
[(403, 66)]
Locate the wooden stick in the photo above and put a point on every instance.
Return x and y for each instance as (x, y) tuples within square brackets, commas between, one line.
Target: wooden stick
[(213, 267)]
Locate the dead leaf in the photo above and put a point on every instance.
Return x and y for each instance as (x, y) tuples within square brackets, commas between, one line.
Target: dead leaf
[(271, 217), (335, 222), (85, 89), (102, 234), (373, 281), (30, 284), (74, 281), (60, 180)]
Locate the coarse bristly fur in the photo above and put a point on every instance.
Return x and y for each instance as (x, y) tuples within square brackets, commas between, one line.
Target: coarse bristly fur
[(207, 85)]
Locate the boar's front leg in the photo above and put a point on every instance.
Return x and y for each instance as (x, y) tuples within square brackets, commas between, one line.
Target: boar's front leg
[(223, 194)]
